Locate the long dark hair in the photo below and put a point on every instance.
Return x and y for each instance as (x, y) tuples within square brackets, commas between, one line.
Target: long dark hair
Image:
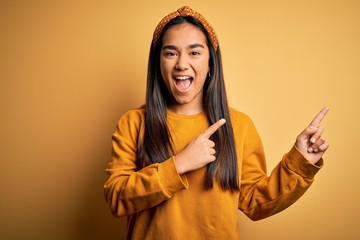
[(156, 145)]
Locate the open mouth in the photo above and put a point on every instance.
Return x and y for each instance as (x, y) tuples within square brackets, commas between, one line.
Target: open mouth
[(183, 82)]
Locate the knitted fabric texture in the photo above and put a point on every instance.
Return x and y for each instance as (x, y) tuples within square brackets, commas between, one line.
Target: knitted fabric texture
[(184, 12)]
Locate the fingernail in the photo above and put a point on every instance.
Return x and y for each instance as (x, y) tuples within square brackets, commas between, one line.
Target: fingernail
[(313, 140), (310, 149), (316, 150)]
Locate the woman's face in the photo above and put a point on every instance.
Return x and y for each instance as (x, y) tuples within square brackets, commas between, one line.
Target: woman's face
[(184, 64)]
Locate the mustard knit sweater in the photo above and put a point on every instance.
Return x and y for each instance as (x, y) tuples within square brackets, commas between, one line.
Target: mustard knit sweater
[(161, 204)]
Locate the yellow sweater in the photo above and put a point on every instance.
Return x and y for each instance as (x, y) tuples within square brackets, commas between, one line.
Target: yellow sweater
[(161, 204)]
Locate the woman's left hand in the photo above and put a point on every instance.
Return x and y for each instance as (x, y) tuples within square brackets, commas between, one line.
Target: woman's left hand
[(310, 142)]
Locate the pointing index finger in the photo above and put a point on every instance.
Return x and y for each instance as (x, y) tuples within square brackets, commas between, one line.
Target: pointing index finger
[(319, 117), (213, 128)]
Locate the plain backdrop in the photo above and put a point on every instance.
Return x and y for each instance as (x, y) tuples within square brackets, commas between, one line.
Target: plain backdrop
[(70, 69)]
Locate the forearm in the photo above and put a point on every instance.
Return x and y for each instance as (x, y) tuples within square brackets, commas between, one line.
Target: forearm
[(287, 183), (128, 192)]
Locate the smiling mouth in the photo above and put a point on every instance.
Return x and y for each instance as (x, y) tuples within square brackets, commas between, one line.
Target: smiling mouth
[(183, 82)]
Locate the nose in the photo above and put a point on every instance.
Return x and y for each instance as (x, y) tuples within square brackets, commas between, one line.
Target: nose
[(182, 63)]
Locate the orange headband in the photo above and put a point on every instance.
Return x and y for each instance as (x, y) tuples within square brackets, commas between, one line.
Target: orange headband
[(185, 11)]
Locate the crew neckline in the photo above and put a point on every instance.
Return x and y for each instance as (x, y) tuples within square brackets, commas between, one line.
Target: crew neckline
[(177, 115)]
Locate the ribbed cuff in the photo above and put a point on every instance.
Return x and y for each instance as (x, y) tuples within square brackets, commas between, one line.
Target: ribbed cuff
[(170, 179), (297, 163)]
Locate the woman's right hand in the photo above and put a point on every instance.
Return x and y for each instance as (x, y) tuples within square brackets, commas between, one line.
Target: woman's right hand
[(199, 151)]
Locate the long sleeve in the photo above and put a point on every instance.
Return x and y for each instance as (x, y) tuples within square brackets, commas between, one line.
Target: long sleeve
[(128, 191), (262, 196)]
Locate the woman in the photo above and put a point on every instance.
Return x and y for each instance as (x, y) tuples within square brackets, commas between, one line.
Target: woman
[(185, 162)]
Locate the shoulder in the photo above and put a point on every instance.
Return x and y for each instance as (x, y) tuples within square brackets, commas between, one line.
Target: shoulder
[(238, 117), (244, 127), (132, 120), (134, 115)]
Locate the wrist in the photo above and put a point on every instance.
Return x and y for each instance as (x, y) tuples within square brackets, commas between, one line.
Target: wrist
[(179, 165)]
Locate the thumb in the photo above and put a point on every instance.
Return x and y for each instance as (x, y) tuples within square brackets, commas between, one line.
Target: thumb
[(307, 133)]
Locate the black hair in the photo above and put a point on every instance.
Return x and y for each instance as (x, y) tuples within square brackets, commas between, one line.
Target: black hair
[(156, 145)]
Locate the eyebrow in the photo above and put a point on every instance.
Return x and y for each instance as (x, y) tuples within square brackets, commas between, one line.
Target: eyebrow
[(172, 47)]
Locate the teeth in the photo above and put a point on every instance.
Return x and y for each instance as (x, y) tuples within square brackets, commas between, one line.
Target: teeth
[(182, 77)]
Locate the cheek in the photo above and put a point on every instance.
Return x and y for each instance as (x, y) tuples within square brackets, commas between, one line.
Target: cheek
[(203, 64), (165, 68), (162, 70), (203, 67), (165, 71)]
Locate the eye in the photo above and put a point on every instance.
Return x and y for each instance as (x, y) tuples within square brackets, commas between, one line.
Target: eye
[(169, 54), (194, 53)]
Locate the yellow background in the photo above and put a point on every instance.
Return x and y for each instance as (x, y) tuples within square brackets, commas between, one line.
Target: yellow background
[(70, 69)]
